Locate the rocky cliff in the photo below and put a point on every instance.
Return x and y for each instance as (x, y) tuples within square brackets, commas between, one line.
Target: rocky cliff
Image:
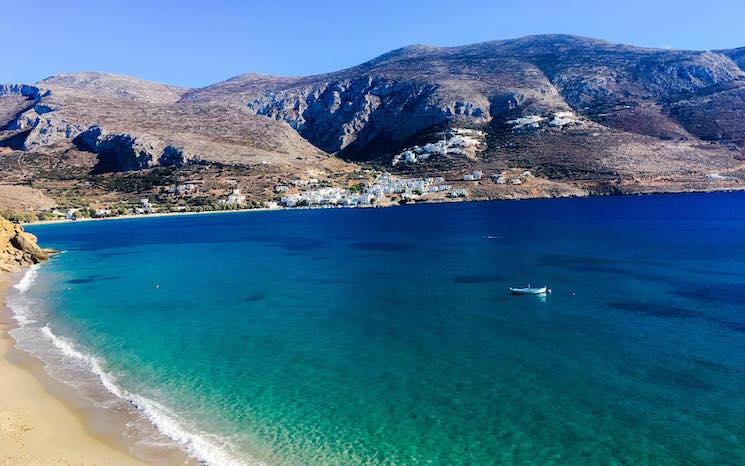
[(18, 249)]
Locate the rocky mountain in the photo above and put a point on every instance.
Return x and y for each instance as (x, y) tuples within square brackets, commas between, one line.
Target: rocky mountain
[(372, 109), (590, 115), (133, 124)]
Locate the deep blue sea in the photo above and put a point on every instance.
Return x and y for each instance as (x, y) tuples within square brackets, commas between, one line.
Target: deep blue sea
[(388, 336)]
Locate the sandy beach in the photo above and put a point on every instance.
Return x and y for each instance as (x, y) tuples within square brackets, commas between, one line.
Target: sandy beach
[(42, 422), (153, 215)]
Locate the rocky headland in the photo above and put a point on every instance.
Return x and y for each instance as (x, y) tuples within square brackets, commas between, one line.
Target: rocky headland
[(18, 249)]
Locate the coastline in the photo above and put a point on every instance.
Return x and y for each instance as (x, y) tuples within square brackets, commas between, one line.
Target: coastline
[(43, 421), (392, 204), (136, 216), (133, 225), (25, 428)]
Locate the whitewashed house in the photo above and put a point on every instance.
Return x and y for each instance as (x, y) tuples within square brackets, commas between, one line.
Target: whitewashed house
[(235, 198)]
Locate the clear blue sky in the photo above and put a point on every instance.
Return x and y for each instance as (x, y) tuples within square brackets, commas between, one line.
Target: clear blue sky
[(193, 43)]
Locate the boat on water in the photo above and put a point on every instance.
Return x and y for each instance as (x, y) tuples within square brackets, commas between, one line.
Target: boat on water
[(542, 291)]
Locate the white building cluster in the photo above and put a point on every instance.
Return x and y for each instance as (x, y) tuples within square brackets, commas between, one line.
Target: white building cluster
[(386, 186), (557, 120), (527, 121), (235, 198), (321, 197), (457, 141), (562, 119)]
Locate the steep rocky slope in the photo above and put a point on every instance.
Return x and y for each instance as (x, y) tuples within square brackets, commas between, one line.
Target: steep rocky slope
[(133, 124), (630, 96)]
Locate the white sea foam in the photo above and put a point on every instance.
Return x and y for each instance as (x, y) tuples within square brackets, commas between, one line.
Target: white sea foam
[(28, 279), (21, 312), (203, 446), (21, 306)]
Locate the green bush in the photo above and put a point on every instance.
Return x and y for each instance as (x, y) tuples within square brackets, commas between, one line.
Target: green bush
[(19, 217), (356, 188)]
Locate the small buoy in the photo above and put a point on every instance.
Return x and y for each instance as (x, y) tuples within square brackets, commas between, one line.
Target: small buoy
[(157, 285)]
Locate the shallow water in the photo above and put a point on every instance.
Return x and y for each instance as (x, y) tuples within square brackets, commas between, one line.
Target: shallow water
[(386, 336)]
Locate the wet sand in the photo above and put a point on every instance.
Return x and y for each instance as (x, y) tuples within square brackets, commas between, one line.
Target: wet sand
[(44, 422)]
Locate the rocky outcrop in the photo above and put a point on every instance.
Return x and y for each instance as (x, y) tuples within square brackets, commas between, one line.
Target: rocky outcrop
[(335, 114), (116, 152), (46, 130), (15, 100), (25, 90), (18, 249)]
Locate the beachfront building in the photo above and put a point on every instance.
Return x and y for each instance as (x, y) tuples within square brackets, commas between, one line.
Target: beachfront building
[(389, 184), (385, 186), (320, 197)]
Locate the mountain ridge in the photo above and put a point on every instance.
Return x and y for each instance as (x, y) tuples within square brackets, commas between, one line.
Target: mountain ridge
[(535, 75), (571, 109)]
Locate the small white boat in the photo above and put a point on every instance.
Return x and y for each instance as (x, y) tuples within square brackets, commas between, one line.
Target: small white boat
[(544, 290)]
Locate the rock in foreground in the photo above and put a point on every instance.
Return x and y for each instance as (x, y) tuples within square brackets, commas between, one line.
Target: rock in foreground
[(18, 249)]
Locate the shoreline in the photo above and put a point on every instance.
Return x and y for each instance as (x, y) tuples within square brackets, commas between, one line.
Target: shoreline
[(384, 206), (136, 216), (45, 421), (94, 428)]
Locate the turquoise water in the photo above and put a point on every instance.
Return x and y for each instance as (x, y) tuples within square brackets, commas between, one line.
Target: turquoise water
[(386, 336)]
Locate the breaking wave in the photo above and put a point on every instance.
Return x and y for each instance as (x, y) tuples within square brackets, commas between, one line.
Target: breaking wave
[(28, 279), (201, 445)]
